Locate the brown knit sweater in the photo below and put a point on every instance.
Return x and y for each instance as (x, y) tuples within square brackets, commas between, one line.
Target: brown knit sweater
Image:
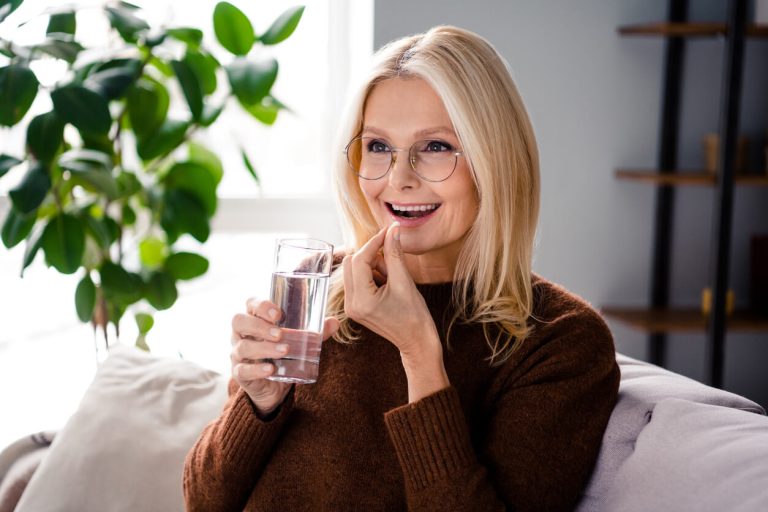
[(520, 436)]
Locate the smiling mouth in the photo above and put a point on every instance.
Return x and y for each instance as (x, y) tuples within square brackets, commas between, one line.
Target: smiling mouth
[(413, 211)]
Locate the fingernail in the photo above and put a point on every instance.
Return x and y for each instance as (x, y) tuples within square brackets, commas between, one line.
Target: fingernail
[(274, 332), (282, 348), (397, 231), (266, 367), (272, 313)]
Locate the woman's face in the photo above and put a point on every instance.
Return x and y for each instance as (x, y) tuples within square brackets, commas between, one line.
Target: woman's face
[(398, 113)]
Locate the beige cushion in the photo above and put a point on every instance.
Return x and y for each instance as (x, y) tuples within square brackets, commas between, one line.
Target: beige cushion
[(124, 447)]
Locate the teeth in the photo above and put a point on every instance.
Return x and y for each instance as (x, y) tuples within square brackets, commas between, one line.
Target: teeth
[(415, 208)]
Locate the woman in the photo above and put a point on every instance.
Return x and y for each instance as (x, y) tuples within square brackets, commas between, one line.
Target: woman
[(455, 379)]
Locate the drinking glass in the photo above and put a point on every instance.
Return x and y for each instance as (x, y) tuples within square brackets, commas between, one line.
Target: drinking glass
[(300, 288)]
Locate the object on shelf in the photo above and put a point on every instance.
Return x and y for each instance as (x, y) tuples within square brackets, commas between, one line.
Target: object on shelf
[(758, 274), (706, 301), (761, 12), (711, 153)]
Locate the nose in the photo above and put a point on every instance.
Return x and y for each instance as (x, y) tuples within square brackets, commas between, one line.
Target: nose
[(401, 175)]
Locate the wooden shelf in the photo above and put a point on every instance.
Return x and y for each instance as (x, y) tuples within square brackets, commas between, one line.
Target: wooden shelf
[(682, 320), (688, 178), (687, 30)]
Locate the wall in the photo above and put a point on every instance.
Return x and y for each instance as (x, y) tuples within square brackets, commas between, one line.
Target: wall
[(594, 99)]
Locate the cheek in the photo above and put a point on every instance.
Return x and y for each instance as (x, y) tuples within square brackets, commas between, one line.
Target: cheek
[(371, 191)]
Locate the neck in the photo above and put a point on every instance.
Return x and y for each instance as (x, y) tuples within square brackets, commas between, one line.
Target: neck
[(426, 270)]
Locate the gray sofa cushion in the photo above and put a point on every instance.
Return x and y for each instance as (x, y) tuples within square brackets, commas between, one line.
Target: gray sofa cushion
[(642, 386), (695, 457)]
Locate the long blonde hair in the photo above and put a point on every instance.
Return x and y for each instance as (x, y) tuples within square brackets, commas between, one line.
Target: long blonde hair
[(493, 272)]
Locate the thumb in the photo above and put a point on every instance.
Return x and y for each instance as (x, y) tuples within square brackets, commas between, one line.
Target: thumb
[(393, 254), (330, 327)]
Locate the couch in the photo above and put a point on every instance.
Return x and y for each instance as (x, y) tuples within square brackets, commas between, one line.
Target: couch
[(671, 444)]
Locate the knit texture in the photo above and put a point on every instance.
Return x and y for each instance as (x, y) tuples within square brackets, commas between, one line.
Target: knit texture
[(520, 436)]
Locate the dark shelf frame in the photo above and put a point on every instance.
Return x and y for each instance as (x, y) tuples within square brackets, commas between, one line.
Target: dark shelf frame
[(675, 30)]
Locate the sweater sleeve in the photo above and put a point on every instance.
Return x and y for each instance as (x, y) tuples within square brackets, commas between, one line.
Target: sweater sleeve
[(538, 445), (223, 466)]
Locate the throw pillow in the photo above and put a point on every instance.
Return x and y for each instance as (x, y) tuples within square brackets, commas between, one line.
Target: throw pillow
[(124, 447)]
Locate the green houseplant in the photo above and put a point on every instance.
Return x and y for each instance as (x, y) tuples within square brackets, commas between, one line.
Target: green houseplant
[(112, 178)]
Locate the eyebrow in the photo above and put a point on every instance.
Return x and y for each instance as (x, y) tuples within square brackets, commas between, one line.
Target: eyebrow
[(420, 133)]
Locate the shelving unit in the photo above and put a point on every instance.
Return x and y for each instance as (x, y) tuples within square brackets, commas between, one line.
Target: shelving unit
[(659, 318)]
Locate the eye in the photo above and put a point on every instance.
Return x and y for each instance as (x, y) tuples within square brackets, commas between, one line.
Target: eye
[(435, 146), (376, 146)]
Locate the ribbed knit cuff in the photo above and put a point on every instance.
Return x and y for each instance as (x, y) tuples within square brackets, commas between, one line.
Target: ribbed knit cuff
[(244, 436), (431, 439)]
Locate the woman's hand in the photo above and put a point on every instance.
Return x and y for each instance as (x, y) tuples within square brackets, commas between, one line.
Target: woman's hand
[(394, 309), (256, 338)]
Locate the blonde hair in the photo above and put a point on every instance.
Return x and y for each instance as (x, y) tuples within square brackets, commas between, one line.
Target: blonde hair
[(493, 272)]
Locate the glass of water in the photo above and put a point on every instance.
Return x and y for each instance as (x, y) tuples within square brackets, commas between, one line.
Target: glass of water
[(300, 288)]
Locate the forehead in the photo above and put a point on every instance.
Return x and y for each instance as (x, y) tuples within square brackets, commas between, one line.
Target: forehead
[(403, 105)]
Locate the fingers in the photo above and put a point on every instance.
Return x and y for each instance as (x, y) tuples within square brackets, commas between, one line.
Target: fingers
[(330, 327), (248, 351), (246, 372), (255, 327), (263, 309), (393, 254), (364, 261), (368, 252)]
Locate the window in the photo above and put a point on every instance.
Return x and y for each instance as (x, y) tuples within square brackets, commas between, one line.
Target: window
[(41, 340)]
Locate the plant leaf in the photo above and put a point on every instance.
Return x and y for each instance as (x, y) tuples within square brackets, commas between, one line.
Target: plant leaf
[(7, 7), (266, 111), (112, 81), (190, 86), (45, 134), (87, 110), (210, 114), (62, 23), (184, 213), (119, 283), (250, 167), (167, 138), (92, 169), (98, 230), (128, 184), (191, 36), (7, 162), (16, 227), (282, 28), (60, 46), (148, 103), (204, 65), (195, 179), (63, 241), (18, 88), (186, 265), (199, 154), (85, 298), (152, 252), (126, 23), (251, 81), (161, 291), (29, 194), (144, 322), (233, 29), (34, 242)]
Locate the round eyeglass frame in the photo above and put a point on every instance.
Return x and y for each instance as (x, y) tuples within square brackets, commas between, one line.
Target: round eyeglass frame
[(393, 160)]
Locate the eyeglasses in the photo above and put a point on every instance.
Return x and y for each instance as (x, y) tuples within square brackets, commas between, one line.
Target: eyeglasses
[(431, 160)]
